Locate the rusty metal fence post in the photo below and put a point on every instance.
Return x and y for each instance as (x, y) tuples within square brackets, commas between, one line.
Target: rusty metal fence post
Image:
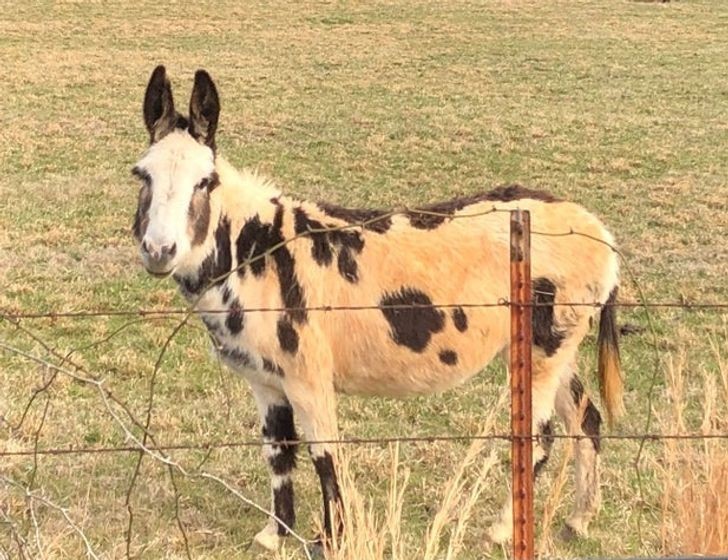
[(520, 369)]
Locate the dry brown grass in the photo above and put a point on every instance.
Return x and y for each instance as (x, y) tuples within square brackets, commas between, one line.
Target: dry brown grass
[(373, 533), (695, 474)]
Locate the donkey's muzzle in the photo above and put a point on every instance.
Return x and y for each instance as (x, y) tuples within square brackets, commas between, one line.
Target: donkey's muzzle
[(158, 258)]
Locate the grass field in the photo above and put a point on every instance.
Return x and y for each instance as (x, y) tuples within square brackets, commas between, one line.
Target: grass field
[(621, 106)]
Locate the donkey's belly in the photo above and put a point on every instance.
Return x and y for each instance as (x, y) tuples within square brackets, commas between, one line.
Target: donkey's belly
[(431, 373)]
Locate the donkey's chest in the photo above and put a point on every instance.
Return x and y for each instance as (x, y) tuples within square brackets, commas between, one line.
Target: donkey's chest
[(240, 339)]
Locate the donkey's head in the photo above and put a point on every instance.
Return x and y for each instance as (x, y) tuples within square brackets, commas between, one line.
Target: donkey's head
[(177, 173)]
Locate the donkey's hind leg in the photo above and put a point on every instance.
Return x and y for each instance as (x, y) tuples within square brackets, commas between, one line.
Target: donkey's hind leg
[(544, 393), (582, 419)]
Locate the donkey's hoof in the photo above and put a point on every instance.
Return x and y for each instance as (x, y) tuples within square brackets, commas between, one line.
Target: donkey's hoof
[(573, 529), (316, 550), (268, 538)]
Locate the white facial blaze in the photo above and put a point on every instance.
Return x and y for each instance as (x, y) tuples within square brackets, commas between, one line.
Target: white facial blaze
[(175, 164)]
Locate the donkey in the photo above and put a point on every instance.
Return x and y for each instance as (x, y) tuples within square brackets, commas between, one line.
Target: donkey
[(231, 240)]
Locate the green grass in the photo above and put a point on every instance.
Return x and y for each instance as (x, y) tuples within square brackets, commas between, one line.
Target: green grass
[(620, 106)]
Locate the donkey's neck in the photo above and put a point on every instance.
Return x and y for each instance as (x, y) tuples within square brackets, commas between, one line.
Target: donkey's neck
[(239, 197)]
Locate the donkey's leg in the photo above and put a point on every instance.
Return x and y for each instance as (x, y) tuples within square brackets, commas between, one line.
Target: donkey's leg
[(315, 406), (543, 396), (276, 417), (581, 418)]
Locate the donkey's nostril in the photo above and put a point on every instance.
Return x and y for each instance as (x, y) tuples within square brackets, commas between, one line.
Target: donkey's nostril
[(169, 250), (145, 249)]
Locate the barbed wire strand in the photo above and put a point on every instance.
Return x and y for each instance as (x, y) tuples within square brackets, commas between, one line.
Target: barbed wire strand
[(170, 312), (213, 445)]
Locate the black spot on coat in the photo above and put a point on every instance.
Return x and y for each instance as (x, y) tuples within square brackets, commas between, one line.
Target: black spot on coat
[(577, 391), (291, 290), (448, 357), (326, 238), (546, 439), (321, 246), (240, 357), (433, 215), (412, 325), (287, 335), (324, 466), (279, 426), (255, 240), (347, 266), (545, 333), (283, 503), (271, 367), (460, 319), (235, 317), (226, 294), (590, 424), (374, 220), (252, 243)]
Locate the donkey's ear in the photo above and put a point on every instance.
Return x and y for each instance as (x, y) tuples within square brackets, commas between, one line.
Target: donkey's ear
[(159, 113), (204, 109)]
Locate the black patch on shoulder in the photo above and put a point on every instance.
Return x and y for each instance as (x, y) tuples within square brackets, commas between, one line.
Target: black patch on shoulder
[(448, 357), (253, 241), (235, 317), (287, 335), (271, 367), (460, 319), (291, 290), (346, 242), (321, 247), (411, 326), (590, 424), (545, 333), (215, 265), (347, 266), (256, 239), (433, 215), (378, 221)]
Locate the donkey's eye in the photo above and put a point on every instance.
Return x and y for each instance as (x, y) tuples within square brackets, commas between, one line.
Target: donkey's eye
[(208, 183)]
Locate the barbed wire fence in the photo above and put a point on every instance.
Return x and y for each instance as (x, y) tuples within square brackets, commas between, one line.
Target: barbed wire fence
[(136, 430)]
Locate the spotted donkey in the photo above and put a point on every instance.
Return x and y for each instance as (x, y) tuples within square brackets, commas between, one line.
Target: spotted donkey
[(232, 241)]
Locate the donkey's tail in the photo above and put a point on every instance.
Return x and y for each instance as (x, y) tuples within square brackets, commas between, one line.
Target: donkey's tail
[(609, 370)]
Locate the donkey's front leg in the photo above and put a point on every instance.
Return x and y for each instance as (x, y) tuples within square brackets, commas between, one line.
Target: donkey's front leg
[(314, 403), (276, 417)]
